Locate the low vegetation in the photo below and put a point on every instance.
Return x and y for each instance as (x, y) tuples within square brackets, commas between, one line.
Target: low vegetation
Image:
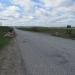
[(4, 40), (60, 32)]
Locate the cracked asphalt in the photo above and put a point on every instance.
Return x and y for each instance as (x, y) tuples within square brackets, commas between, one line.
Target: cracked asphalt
[(46, 55)]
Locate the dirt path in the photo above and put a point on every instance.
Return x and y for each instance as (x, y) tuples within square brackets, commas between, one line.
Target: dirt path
[(11, 60)]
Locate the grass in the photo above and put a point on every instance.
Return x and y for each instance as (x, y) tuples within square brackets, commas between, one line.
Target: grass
[(59, 32), (4, 40)]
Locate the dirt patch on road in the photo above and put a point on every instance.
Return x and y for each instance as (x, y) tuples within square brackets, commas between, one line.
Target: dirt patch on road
[(10, 60)]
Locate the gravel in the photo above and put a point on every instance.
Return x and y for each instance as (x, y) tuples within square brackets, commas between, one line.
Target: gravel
[(11, 62)]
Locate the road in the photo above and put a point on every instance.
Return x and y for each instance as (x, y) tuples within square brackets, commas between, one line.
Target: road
[(46, 55)]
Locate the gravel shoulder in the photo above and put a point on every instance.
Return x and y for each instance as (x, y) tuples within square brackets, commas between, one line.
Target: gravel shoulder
[(11, 62)]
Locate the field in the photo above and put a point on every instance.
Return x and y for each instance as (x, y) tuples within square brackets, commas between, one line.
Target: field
[(59, 32), (4, 40)]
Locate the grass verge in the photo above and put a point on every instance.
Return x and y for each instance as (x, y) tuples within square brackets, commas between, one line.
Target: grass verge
[(4, 40)]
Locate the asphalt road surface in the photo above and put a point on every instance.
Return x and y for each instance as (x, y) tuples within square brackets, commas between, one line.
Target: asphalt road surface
[(46, 55)]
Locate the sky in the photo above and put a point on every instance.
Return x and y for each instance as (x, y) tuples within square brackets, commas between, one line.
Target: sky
[(37, 12)]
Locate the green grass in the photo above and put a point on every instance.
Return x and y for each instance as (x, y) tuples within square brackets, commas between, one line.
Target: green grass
[(4, 40), (61, 32)]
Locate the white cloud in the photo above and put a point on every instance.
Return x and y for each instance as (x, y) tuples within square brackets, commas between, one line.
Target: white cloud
[(50, 11), (40, 13), (53, 3), (24, 3), (11, 11), (26, 18), (1, 6)]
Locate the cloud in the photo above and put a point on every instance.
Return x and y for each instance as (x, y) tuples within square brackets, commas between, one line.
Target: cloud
[(10, 12), (52, 3), (39, 12), (24, 3), (1, 6)]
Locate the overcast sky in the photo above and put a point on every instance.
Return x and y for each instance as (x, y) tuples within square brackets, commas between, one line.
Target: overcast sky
[(37, 12)]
